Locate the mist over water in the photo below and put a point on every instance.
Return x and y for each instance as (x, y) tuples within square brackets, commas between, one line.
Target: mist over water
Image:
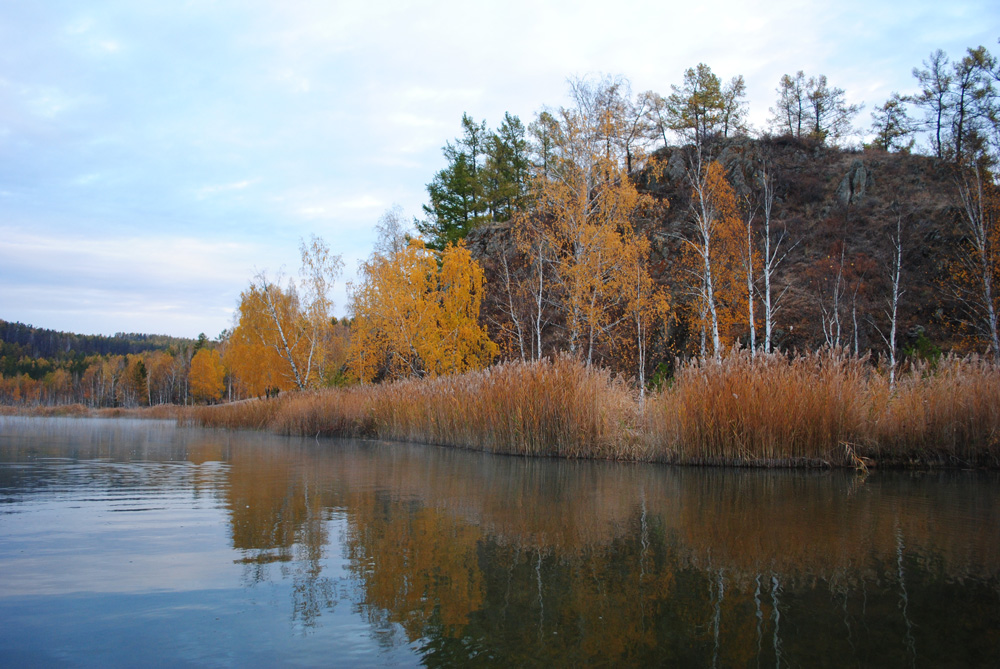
[(137, 542)]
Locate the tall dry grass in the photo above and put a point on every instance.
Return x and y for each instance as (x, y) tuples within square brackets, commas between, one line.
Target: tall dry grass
[(946, 415), (554, 408), (253, 414), (156, 412), (823, 409), (770, 410)]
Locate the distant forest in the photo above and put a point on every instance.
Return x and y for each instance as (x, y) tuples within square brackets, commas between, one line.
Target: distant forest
[(18, 341), (41, 366)]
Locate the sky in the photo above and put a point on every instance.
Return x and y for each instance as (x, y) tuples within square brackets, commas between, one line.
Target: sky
[(155, 155)]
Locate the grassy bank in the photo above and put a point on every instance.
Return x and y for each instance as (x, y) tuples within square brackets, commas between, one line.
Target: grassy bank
[(814, 410)]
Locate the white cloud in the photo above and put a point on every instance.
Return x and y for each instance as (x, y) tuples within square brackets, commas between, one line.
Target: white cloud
[(153, 284), (47, 101), (267, 121), (87, 179), (293, 80), (80, 26), (345, 209), (409, 120), (206, 191), (163, 260)]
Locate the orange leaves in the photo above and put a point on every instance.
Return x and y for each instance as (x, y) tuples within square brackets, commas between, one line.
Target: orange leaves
[(714, 255), (583, 275), (721, 196), (465, 344), (589, 205), (412, 318), (394, 321), (647, 304), (207, 376), (284, 336), (256, 352), (253, 364)]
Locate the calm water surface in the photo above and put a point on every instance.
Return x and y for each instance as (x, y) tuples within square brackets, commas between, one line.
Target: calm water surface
[(137, 543)]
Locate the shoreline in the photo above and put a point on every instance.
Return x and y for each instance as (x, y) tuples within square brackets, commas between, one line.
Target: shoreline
[(805, 412)]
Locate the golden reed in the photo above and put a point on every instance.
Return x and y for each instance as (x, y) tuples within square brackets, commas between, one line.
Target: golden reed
[(822, 409)]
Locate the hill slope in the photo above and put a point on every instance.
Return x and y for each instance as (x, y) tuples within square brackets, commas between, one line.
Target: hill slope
[(839, 210)]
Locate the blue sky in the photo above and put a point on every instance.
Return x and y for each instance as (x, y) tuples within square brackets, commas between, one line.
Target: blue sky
[(154, 155)]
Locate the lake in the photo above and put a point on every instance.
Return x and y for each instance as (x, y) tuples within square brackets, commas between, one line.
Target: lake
[(140, 543)]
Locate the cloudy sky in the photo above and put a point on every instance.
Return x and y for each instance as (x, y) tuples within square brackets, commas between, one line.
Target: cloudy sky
[(154, 155)]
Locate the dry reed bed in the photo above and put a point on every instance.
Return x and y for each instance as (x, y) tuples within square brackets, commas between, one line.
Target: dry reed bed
[(556, 408), (771, 410), (812, 410), (949, 415)]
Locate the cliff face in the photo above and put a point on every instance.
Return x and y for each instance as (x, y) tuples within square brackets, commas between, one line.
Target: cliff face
[(838, 211)]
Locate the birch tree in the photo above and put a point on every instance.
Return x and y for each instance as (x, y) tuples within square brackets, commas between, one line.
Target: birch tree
[(586, 207), (713, 253), (534, 240), (280, 335), (895, 293), (750, 259), (976, 273), (647, 304), (773, 255)]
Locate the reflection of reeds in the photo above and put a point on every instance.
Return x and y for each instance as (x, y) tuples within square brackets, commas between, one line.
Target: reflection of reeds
[(801, 525), (742, 410), (593, 560), (156, 412)]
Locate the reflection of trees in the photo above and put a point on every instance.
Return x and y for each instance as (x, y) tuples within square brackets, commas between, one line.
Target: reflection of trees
[(279, 515), (481, 559), (118, 454), (476, 558), (418, 564)]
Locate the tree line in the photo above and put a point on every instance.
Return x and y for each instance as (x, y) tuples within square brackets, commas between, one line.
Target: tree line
[(163, 376), (579, 265), (19, 341)]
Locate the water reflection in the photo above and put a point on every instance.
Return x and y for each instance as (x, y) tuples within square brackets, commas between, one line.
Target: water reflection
[(476, 559), (531, 561)]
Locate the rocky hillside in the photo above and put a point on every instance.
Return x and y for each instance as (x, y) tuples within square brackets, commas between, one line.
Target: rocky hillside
[(838, 210), (836, 207)]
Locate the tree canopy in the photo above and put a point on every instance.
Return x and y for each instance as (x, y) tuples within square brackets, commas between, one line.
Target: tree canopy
[(416, 317)]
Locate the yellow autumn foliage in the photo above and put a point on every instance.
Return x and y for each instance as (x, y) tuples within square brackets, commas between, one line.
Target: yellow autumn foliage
[(207, 376), (285, 338), (714, 256), (414, 317)]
